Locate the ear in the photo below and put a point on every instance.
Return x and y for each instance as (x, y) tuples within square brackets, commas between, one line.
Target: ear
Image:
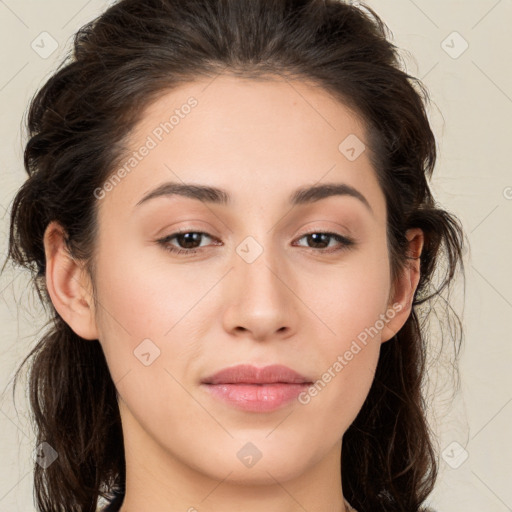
[(68, 284), (402, 291)]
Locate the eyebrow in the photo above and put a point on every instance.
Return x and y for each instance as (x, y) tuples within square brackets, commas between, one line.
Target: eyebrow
[(208, 194)]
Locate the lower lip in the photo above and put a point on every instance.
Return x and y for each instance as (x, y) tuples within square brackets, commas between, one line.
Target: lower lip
[(256, 397)]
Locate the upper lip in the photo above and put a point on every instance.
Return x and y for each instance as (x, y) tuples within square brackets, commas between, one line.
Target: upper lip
[(249, 374)]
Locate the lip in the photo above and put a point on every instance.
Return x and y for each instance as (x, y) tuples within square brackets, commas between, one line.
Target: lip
[(249, 374), (249, 388)]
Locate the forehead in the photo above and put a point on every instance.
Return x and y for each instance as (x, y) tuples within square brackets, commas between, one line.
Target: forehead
[(254, 138)]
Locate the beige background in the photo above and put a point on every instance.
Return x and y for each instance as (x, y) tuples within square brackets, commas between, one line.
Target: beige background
[(471, 115)]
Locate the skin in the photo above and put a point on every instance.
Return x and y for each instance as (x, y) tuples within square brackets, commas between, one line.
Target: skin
[(296, 304)]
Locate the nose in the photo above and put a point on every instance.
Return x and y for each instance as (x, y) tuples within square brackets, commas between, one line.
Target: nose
[(261, 303)]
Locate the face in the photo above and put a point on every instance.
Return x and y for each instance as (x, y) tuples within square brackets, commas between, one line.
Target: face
[(257, 275)]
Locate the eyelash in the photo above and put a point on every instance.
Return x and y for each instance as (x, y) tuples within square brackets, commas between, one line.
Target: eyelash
[(346, 242)]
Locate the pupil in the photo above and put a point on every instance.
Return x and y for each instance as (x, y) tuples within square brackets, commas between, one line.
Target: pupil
[(318, 235), (189, 239)]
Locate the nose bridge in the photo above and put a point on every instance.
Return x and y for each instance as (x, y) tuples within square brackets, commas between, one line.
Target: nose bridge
[(261, 301), (257, 265)]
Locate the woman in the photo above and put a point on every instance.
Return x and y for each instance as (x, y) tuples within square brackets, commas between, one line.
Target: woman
[(228, 211)]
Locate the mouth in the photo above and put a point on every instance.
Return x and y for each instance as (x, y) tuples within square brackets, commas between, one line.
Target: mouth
[(249, 388)]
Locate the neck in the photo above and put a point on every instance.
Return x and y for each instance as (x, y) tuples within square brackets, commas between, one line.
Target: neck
[(159, 480)]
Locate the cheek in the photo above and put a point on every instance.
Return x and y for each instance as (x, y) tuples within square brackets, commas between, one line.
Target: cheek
[(351, 297), (347, 366), (141, 298), (352, 303), (130, 311), (151, 319), (143, 329)]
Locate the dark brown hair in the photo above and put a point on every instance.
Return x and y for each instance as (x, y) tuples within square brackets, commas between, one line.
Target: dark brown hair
[(78, 124)]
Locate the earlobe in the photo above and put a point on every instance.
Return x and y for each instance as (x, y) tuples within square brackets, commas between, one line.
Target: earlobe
[(68, 284), (405, 287)]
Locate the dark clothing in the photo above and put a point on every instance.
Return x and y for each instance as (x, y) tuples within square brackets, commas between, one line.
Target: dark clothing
[(115, 503)]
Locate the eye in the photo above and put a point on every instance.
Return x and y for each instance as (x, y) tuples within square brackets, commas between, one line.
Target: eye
[(321, 240), (188, 240)]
